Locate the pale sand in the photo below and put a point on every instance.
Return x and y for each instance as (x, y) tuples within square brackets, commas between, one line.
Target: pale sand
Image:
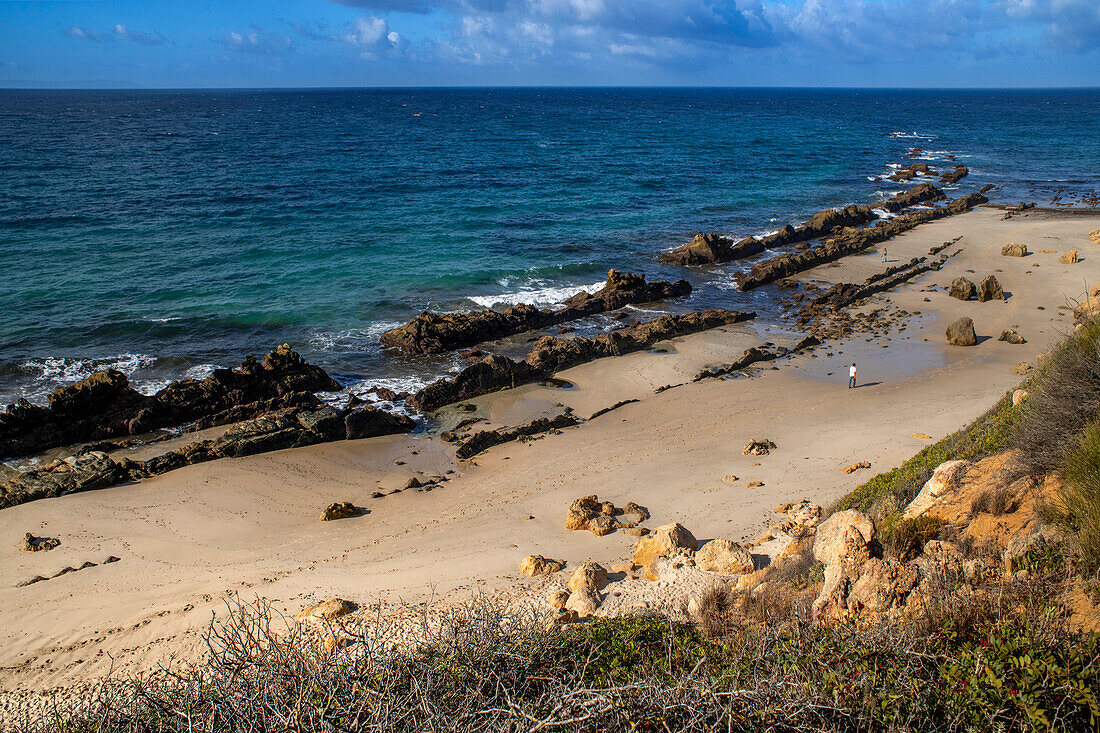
[(191, 537)]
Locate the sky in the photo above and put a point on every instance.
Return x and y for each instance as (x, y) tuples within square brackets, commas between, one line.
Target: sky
[(368, 43)]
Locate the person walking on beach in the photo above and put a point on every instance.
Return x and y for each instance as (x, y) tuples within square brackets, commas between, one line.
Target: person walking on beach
[(852, 376), (883, 254)]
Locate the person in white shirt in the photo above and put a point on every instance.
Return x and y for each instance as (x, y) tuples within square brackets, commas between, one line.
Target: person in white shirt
[(852, 376)]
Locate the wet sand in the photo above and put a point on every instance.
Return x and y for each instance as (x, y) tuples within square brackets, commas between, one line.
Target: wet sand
[(190, 539)]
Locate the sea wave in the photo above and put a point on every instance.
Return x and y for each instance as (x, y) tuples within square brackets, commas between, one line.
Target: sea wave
[(63, 370), (536, 292), (351, 339)]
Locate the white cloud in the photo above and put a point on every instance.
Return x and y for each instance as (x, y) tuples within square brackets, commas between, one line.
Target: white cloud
[(258, 42)]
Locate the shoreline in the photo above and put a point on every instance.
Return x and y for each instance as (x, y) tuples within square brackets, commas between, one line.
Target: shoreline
[(191, 538)]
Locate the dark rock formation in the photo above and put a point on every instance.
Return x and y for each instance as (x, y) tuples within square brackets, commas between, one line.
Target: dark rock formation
[(908, 173), (289, 428), (922, 194), (105, 406), (553, 354), (486, 439), (961, 333), (431, 333), (962, 289), (755, 354), (711, 248), (850, 241), (990, 289), (960, 172), (550, 354)]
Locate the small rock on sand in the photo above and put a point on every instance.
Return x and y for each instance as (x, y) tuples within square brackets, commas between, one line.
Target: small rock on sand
[(1011, 336), (339, 510), (730, 478), (1069, 258), (961, 333), (856, 466), (330, 609), (920, 436), (662, 542), (1014, 250), (754, 484), (725, 557), (533, 565), (758, 448)]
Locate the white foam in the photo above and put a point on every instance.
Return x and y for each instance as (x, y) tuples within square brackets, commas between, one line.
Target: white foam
[(912, 135), (67, 370), (352, 338), (536, 292)]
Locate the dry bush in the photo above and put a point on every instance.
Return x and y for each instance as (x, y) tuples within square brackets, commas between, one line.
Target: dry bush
[(1064, 398), (995, 501)]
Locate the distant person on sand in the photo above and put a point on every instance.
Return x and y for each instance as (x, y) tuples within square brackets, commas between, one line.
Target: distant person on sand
[(852, 376), (883, 254)]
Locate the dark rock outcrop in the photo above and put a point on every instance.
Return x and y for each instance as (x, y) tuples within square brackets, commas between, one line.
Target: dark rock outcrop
[(756, 354), (431, 333), (712, 249), (486, 439), (989, 289), (962, 289), (551, 354), (954, 176), (105, 405), (923, 194), (289, 428), (961, 333), (909, 172), (850, 241)]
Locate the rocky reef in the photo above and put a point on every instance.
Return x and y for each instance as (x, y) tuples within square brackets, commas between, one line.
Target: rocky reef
[(432, 333), (105, 406), (551, 354)]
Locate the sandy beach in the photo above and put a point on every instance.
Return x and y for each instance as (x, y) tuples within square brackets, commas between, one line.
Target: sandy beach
[(187, 541)]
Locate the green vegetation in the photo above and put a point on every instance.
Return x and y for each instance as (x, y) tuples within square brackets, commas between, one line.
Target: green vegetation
[(904, 539), (988, 434)]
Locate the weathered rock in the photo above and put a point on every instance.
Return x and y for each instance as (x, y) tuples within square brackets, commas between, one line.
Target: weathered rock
[(39, 544), (1088, 308), (944, 479), (339, 510), (725, 557), (800, 515), (533, 565), (1094, 236), (327, 422), (662, 542), (1070, 258), (583, 602), (485, 439), (834, 544), (1012, 249), (370, 422), (1021, 369), (589, 575), (758, 448), (557, 598), (922, 194), (954, 176), (962, 289), (852, 240), (431, 333), (328, 610), (961, 333), (990, 289), (1011, 336), (104, 405)]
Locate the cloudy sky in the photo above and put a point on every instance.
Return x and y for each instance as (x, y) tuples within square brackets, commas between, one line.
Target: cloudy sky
[(260, 43)]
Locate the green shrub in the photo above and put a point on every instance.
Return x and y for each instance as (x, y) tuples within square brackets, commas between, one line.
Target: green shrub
[(904, 539), (1078, 508)]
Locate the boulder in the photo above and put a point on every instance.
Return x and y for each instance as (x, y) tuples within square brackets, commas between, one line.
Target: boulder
[(1088, 308), (961, 333), (990, 289), (1011, 336), (1094, 236), (954, 176), (583, 602), (339, 510), (326, 610), (944, 479), (662, 542), (370, 422), (1014, 250), (835, 542), (557, 598), (725, 557), (533, 565), (800, 515), (962, 289), (1069, 258), (589, 575)]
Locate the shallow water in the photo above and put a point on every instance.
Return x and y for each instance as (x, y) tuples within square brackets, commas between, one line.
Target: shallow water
[(161, 233)]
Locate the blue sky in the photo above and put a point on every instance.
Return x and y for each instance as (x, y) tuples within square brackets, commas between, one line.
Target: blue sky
[(273, 43)]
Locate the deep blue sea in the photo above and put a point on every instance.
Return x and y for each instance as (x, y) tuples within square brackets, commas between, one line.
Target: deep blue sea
[(163, 232)]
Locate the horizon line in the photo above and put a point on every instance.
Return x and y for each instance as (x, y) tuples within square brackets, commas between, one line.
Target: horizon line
[(123, 87)]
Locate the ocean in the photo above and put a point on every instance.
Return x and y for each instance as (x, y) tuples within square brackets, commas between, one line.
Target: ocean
[(163, 233)]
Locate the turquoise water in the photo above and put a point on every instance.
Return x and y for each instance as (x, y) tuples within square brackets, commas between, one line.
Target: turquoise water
[(165, 232)]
